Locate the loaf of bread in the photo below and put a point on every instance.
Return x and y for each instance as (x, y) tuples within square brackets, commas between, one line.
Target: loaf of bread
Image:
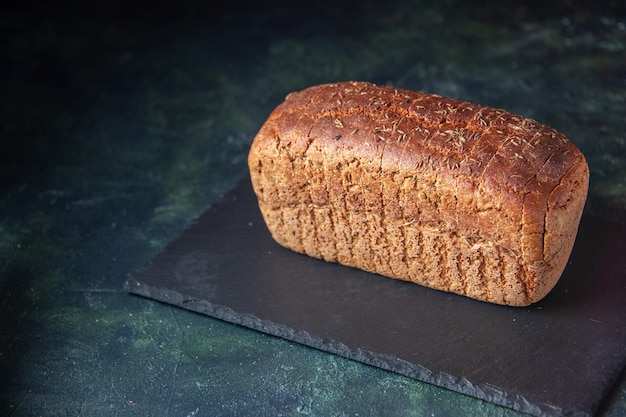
[(444, 193)]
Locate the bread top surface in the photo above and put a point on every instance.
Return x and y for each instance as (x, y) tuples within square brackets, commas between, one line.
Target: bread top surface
[(415, 129)]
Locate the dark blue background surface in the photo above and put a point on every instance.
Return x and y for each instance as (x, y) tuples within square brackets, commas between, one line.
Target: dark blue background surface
[(122, 122)]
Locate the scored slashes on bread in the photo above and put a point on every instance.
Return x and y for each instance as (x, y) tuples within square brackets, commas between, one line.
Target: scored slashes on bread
[(444, 193)]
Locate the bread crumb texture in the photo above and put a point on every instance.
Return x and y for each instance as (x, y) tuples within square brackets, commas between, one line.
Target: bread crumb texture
[(444, 193)]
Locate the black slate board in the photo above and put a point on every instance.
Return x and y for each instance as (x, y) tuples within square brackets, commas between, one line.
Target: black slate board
[(561, 356)]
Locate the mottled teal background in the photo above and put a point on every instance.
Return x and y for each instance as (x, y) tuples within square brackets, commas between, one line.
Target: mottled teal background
[(121, 122)]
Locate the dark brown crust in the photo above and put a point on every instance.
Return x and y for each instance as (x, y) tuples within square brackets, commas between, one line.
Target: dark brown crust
[(397, 164)]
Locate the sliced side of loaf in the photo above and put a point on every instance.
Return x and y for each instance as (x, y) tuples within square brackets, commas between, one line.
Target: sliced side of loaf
[(448, 194)]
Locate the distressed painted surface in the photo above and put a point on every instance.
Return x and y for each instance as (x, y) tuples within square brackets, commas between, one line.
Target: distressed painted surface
[(120, 124)]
